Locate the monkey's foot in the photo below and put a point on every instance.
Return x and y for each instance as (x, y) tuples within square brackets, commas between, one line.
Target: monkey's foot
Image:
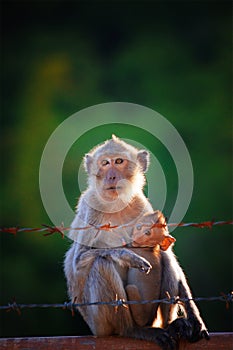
[(156, 335), (165, 341), (189, 329)]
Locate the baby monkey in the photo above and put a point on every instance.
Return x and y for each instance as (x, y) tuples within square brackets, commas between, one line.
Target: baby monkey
[(152, 230), (103, 265)]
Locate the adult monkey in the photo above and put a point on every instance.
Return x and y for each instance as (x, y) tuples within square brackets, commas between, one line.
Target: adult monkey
[(98, 268)]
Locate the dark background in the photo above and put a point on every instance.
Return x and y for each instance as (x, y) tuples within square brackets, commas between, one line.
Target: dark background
[(59, 57)]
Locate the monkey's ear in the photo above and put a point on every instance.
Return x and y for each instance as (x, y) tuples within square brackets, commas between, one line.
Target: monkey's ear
[(115, 138), (143, 158), (88, 159), (167, 241)]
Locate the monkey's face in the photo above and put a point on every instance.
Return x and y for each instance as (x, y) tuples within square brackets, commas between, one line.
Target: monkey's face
[(115, 173), (146, 234), (115, 177)]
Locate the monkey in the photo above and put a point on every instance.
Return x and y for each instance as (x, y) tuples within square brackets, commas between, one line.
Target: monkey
[(103, 265)]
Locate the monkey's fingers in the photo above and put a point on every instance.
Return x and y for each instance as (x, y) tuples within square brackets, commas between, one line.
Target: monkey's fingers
[(138, 262), (146, 270), (146, 267), (166, 342), (180, 328), (142, 264), (205, 334)]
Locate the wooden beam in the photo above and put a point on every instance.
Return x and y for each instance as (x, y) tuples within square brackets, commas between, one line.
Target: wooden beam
[(218, 341)]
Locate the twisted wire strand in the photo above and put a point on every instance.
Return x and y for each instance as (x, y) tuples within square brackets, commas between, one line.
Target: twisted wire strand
[(49, 230), (227, 298)]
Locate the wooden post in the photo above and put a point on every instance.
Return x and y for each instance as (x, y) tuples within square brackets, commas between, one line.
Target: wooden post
[(218, 341)]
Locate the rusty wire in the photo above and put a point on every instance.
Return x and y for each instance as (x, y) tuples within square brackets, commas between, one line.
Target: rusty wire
[(227, 298), (50, 230)]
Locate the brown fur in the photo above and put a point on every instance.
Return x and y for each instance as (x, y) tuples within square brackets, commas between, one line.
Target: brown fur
[(99, 268)]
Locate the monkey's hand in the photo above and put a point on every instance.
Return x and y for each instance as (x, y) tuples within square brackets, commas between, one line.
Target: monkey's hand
[(131, 259), (142, 264), (190, 329)]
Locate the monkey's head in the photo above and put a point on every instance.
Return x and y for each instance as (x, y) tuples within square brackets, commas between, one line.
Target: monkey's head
[(116, 170), (152, 230)]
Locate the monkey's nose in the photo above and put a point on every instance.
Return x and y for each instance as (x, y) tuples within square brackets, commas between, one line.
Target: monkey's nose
[(111, 175)]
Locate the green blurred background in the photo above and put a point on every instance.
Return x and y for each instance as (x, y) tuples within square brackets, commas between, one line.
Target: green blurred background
[(59, 57)]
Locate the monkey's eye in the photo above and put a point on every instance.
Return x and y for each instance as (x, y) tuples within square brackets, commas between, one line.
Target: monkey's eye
[(148, 233), (119, 161), (105, 162)]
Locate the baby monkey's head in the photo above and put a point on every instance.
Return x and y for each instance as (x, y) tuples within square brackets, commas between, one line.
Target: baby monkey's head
[(151, 231)]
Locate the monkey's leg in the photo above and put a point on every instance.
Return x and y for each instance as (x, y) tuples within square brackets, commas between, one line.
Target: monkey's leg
[(104, 284), (137, 311), (145, 287), (90, 260)]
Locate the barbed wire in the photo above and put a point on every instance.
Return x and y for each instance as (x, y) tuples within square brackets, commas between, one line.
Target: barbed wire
[(50, 230), (72, 306)]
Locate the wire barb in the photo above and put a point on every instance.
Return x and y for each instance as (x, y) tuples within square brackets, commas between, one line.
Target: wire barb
[(54, 229), (228, 298)]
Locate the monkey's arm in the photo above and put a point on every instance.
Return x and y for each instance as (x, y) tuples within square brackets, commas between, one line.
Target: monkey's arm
[(191, 328), (121, 256)]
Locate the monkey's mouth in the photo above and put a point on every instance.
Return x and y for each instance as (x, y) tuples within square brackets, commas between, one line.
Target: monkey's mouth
[(114, 188)]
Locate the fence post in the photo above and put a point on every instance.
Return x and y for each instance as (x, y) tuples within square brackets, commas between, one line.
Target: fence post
[(217, 341)]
